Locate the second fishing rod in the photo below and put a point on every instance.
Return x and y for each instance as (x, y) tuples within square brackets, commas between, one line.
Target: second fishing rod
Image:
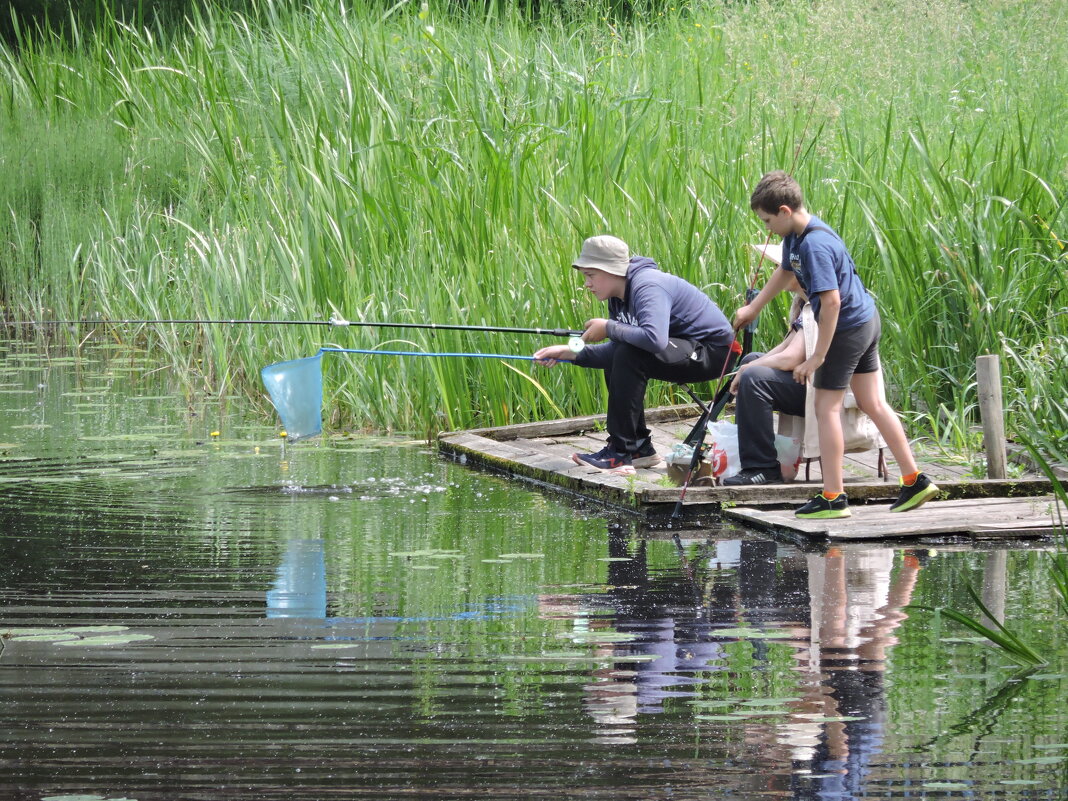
[(334, 322)]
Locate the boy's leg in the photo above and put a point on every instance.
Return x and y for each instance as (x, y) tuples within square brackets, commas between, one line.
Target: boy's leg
[(868, 390), (916, 488), (828, 404), (628, 376)]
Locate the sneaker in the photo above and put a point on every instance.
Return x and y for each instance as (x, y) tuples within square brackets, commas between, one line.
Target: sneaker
[(608, 458), (918, 494), (645, 457), (755, 475), (821, 508)]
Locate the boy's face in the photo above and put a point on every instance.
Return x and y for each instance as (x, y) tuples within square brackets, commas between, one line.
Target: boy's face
[(603, 285), (780, 222)]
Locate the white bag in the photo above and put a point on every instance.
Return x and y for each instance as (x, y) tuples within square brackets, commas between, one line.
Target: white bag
[(723, 449)]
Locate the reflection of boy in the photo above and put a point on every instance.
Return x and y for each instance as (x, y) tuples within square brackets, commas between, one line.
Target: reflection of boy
[(658, 326), (847, 348)]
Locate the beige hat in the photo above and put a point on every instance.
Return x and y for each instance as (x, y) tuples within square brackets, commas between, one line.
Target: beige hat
[(604, 253), (772, 252)]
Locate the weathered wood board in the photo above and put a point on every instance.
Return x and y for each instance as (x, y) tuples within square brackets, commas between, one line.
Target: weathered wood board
[(541, 453), (977, 517)]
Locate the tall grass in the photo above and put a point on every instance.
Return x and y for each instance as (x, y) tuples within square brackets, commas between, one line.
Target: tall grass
[(422, 166)]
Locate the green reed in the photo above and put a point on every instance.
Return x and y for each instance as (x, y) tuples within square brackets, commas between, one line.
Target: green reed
[(427, 167)]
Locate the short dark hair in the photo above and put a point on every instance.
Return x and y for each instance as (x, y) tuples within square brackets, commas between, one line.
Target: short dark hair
[(776, 189)]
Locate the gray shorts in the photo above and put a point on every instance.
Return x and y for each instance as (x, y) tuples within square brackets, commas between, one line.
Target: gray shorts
[(855, 350)]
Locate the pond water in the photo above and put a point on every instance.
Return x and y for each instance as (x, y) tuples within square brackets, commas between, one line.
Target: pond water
[(189, 616)]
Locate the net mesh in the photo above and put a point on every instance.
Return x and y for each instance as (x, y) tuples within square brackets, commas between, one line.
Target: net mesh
[(296, 390)]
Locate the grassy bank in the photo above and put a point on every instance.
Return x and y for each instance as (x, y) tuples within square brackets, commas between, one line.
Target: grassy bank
[(416, 166)]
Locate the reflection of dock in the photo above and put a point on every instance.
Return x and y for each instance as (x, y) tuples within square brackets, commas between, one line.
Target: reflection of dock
[(541, 453)]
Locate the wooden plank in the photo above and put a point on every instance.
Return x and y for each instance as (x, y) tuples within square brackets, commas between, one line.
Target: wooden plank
[(1003, 516)]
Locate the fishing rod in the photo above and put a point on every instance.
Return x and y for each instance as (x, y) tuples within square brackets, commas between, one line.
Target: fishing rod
[(335, 322)]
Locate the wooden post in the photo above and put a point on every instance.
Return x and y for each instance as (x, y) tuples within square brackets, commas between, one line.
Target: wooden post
[(988, 377)]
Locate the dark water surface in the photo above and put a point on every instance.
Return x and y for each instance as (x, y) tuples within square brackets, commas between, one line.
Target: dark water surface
[(190, 616)]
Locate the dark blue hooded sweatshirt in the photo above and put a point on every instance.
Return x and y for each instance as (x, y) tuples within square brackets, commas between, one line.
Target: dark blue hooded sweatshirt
[(655, 307)]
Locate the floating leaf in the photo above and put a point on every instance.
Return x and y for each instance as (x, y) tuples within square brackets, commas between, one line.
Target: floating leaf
[(600, 636), (768, 701), (56, 636), (96, 629), (1045, 760), (946, 785), (109, 639), (752, 634), (335, 645), (522, 556)]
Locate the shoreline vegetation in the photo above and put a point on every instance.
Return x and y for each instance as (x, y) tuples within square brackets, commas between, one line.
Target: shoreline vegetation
[(416, 163)]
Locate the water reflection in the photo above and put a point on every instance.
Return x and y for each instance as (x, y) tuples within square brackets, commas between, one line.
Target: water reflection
[(667, 635), (360, 618), (299, 588)]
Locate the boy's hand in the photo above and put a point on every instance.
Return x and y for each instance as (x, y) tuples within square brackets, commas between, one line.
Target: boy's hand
[(595, 330), (737, 379), (803, 372), (744, 316), (549, 356)]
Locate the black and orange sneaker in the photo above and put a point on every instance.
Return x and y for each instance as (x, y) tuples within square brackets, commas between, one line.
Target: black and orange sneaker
[(921, 491), (819, 508)]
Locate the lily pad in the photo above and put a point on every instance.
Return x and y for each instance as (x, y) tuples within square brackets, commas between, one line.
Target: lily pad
[(109, 639), (946, 785), (600, 636), (55, 636), (522, 556), (1045, 760), (752, 634)]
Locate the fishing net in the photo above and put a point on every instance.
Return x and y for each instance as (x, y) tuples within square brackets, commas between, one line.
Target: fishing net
[(296, 390), (296, 387)]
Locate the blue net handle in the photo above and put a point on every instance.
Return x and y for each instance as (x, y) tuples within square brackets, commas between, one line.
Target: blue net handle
[(425, 353)]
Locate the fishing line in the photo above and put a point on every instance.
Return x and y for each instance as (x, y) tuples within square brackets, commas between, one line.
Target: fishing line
[(335, 322)]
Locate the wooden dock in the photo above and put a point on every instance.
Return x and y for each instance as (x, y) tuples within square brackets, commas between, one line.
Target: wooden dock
[(540, 453)]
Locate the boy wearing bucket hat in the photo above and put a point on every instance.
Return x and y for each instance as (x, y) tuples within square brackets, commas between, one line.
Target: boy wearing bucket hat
[(658, 326)]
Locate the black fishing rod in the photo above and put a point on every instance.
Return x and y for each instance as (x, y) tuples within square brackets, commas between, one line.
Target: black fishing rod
[(335, 322)]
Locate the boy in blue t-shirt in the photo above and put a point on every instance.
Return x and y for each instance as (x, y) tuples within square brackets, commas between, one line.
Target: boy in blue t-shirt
[(847, 348)]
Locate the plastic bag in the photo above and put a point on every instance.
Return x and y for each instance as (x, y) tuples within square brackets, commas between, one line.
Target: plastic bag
[(788, 451), (722, 437)]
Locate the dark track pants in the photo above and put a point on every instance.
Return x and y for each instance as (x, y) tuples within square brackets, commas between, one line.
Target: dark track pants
[(682, 362), (761, 391)]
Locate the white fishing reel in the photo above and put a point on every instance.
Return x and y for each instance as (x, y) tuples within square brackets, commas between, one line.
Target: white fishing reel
[(575, 344)]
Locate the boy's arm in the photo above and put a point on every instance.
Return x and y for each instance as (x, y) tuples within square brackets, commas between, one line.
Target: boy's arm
[(830, 304), (780, 280), (787, 355)]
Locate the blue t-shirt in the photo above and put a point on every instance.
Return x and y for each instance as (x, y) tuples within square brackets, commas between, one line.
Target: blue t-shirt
[(821, 262)]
